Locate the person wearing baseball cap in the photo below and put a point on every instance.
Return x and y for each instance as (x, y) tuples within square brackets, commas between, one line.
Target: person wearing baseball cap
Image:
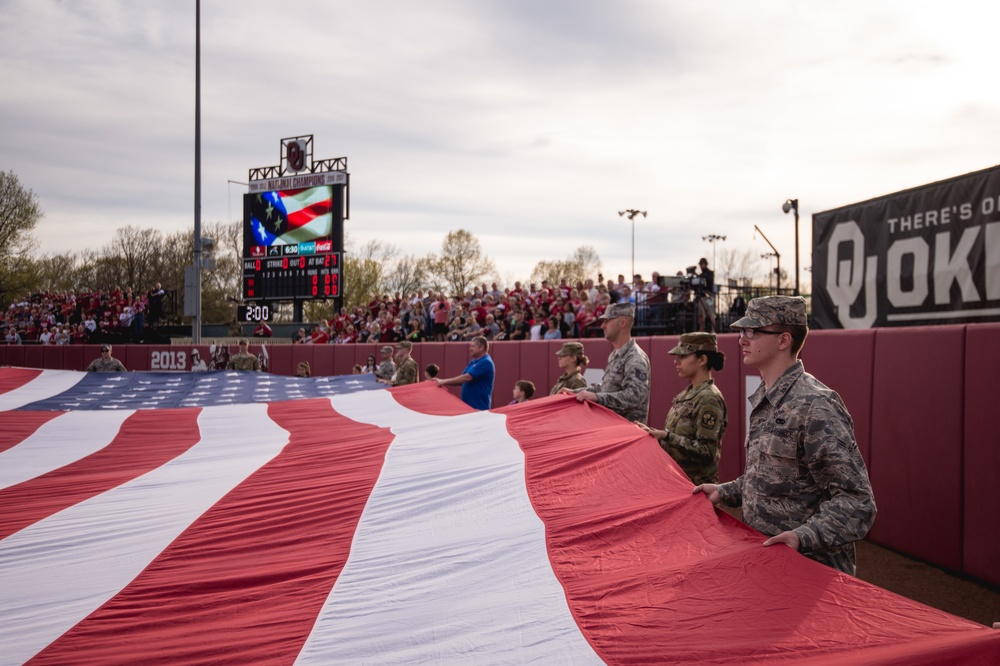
[(243, 359), (624, 389), (387, 368), (697, 419), (805, 484), (408, 371), (571, 358)]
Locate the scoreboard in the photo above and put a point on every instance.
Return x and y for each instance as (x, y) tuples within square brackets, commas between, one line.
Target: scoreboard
[(292, 277)]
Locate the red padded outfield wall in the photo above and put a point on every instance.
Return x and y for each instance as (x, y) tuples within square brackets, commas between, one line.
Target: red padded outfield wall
[(922, 399)]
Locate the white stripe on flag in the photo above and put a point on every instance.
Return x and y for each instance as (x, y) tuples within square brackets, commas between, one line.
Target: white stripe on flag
[(60, 442), (57, 571), (49, 383), (449, 561)]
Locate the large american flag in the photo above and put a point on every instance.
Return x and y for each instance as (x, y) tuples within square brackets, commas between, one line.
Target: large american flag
[(287, 217), (252, 519)]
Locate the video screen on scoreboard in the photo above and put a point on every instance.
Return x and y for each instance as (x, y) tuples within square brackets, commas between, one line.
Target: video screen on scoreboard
[(288, 222)]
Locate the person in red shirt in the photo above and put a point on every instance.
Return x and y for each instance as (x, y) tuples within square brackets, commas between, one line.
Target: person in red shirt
[(262, 330)]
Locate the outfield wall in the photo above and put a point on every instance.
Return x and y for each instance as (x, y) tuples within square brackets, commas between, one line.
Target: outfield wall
[(922, 401)]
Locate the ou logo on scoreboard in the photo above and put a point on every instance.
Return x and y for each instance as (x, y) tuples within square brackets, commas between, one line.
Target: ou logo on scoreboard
[(295, 155)]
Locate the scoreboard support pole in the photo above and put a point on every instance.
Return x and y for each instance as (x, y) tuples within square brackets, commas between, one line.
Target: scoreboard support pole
[(297, 315)]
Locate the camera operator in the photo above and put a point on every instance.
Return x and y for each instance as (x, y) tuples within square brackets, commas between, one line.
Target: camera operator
[(704, 293)]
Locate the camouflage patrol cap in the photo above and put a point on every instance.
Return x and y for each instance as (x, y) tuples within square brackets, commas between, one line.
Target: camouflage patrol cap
[(692, 342), (571, 349), (788, 310), (386, 350), (405, 344), (619, 310)]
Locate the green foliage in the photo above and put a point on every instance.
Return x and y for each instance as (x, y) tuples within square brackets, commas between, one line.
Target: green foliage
[(19, 214)]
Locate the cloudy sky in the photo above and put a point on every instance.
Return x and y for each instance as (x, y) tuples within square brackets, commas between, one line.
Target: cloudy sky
[(529, 123)]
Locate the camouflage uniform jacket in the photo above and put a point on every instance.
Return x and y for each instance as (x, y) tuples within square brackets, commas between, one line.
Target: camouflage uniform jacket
[(407, 373), (569, 381), (804, 471), (106, 365), (695, 426), (385, 370), (625, 386), (243, 361)]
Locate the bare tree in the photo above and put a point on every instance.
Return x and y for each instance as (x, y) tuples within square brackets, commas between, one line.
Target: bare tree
[(744, 265), (582, 264), (462, 262), (409, 274)]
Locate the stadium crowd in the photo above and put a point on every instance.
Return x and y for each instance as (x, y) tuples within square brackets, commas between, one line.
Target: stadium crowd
[(90, 316), (532, 312), (535, 312)]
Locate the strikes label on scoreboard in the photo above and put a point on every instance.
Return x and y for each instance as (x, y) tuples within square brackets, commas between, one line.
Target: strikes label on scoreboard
[(291, 277)]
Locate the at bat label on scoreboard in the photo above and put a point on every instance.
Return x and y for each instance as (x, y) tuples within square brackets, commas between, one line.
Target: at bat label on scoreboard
[(292, 276)]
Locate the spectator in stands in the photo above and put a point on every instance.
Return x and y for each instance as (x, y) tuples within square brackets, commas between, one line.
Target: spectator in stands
[(262, 330), (477, 378), (697, 420), (491, 328), (520, 330), (319, 336), (625, 386), (106, 362), (523, 390), (243, 359), (570, 358), (300, 336), (441, 315), (61, 335), (11, 336), (552, 331), (805, 484)]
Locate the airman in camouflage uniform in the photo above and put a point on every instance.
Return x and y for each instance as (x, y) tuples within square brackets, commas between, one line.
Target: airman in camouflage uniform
[(244, 360), (407, 372), (571, 357), (106, 363), (387, 368), (697, 419), (625, 386), (805, 483)]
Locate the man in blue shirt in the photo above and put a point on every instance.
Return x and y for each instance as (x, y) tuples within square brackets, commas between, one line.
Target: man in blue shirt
[(477, 378)]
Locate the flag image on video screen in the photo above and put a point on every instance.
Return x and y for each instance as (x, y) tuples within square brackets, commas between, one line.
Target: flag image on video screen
[(288, 217)]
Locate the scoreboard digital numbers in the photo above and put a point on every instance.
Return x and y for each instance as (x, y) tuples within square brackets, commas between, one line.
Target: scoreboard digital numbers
[(292, 277)]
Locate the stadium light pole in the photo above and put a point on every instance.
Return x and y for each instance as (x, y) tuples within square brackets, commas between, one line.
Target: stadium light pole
[(632, 212), (713, 238), (196, 319), (793, 204), (777, 255)]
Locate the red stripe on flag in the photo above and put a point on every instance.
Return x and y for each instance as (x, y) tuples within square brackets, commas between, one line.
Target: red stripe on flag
[(146, 440), (429, 398), (245, 582), (15, 427), (12, 378), (654, 574)]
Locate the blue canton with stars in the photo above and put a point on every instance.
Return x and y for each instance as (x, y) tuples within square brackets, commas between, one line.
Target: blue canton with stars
[(151, 390)]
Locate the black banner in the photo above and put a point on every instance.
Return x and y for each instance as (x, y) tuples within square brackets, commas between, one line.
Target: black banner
[(929, 255)]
